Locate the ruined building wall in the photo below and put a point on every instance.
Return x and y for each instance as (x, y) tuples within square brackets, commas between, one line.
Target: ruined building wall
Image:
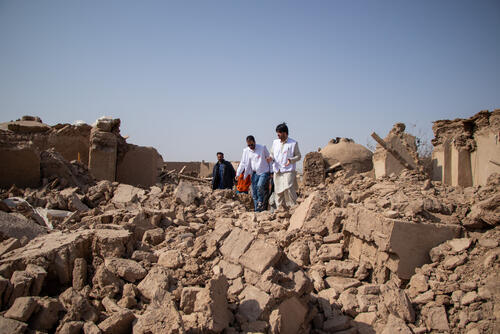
[(139, 166), (466, 151), (101, 148), (403, 143), (22, 141)]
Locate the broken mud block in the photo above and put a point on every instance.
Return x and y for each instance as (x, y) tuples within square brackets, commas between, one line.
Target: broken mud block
[(289, 317), (8, 245), (127, 269), (49, 312), (155, 285), (159, 318), (154, 236), (396, 325), (398, 303), (70, 327), (20, 165), (117, 323), (212, 307), (77, 306), (354, 158), (236, 244), (171, 259), (105, 283), (484, 213), (79, 273), (22, 309), (260, 256), (253, 302), (139, 166), (307, 210), (314, 169), (126, 194), (103, 154), (12, 326), (231, 271), (188, 298), (404, 144), (398, 245), (185, 193), (112, 243)]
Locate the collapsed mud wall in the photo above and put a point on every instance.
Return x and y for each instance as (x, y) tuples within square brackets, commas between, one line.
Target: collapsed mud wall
[(466, 151), (22, 141), (101, 148)]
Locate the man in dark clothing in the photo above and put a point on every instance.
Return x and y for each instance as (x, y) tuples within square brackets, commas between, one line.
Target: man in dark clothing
[(223, 174)]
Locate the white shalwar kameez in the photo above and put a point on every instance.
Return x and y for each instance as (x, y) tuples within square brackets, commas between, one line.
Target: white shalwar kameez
[(285, 177)]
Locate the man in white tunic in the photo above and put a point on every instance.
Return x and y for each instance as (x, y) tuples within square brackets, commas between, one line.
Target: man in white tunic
[(254, 162), (285, 153)]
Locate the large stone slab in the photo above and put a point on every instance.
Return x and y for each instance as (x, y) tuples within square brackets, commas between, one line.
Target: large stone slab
[(236, 244), (289, 317), (126, 194), (260, 256), (15, 225), (253, 302), (307, 210), (406, 244)]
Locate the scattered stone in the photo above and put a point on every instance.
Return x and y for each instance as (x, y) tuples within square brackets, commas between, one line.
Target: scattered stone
[(260, 256), (22, 309), (120, 322), (252, 303), (126, 269), (12, 326)]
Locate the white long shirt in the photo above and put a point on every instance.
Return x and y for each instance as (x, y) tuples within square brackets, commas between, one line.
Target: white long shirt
[(254, 161), (282, 152)]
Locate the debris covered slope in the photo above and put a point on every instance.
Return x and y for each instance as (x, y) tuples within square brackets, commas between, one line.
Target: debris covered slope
[(182, 259)]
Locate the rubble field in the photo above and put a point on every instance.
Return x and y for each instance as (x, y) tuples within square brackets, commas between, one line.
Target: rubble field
[(358, 254)]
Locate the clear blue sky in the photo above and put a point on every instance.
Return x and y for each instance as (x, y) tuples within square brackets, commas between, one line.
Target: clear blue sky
[(195, 77)]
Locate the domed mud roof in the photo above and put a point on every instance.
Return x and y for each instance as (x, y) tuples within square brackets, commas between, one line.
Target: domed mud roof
[(351, 156)]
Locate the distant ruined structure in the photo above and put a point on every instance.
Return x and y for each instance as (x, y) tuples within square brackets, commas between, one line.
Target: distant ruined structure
[(100, 148), (466, 151)]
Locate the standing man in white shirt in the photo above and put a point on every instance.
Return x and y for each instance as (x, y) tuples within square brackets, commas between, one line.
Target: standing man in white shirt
[(254, 162), (284, 153)]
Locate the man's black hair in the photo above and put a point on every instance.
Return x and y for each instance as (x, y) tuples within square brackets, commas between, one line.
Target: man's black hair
[(220, 153), (251, 138), (282, 128)]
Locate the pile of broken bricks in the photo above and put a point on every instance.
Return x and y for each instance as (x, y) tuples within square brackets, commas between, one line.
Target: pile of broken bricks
[(400, 254)]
